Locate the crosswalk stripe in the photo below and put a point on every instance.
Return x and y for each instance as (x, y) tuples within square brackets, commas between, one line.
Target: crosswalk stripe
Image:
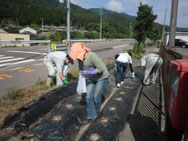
[(9, 60), (15, 63), (27, 52), (1, 58)]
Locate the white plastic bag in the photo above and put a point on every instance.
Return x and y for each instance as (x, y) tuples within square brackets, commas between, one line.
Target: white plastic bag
[(81, 87)]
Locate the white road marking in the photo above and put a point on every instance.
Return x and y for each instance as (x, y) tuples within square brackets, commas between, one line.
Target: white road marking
[(9, 60), (41, 59), (19, 68), (38, 64), (15, 63), (27, 52), (8, 57)]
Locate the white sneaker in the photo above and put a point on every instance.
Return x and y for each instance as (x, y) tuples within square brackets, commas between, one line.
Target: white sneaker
[(122, 82), (118, 85)]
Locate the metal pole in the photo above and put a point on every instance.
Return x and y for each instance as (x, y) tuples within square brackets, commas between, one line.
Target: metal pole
[(42, 25), (68, 24), (164, 21), (130, 29), (100, 23), (173, 21)]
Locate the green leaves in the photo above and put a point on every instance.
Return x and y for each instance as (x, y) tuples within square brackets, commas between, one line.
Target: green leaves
[(144, 23)]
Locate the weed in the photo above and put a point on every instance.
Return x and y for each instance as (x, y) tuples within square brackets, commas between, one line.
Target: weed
[(13, 93), (138, 50), (39, 82)]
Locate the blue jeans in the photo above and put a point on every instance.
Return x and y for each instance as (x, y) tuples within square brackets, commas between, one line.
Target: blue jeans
[(121, 71), (95, 90)]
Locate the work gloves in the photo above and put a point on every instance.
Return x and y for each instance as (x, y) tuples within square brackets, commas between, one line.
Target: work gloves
[(88, 72), (65, 81), (133, 75)]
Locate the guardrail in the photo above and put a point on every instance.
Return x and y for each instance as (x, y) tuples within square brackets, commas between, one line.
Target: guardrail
[(54, 47), (99, 40), (25, 42)]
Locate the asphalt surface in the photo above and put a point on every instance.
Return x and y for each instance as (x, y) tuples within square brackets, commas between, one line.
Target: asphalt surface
[(28, 73)]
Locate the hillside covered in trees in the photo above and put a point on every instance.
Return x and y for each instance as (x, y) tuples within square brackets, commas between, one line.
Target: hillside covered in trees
[(29, 12)]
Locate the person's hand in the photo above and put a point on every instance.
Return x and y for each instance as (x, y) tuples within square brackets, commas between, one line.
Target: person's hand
[(88, 72), (66, 82), (133, 75)]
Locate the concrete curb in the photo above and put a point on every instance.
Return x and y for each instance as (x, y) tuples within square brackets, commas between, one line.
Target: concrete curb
[(127, 127)]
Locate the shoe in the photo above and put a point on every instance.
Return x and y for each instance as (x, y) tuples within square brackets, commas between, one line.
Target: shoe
[(122, 82), (49, 88), (86, 121), (151, 85), (118, 85)]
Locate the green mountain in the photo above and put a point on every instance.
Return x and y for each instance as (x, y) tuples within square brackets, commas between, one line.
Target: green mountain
[(27, 12)]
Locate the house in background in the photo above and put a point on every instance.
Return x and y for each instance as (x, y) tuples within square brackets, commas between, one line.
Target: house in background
[(29, 31), (2, 31), (179, 35), (14, 37)]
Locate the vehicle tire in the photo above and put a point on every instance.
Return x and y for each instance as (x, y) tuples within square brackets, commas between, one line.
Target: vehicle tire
[(172, 133)]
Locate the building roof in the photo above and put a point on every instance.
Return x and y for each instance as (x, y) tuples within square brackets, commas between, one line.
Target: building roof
[(28, 30), (2, 31)]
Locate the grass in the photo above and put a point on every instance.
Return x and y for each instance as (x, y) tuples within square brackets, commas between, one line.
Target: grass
[(17, 98), (12, 93), (39, 82)]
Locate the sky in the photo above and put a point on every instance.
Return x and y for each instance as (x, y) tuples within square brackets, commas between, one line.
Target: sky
[(130, 7)]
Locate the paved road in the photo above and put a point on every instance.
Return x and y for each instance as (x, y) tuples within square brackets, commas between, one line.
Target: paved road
[(23, 66)]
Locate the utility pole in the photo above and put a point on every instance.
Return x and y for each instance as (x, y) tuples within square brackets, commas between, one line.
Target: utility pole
[(42, 25), (67, 3), (173, 21), (130, 29), (17, 22), (101, 23), (68, 25), (164, 21)]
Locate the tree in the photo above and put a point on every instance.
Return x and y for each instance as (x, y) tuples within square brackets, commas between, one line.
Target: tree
[(144, 23), (155, 34)]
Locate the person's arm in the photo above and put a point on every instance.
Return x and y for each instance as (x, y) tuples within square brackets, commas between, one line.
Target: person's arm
[(97, 63), (63, 78), (131, 68), (59, 66), (61, 75)]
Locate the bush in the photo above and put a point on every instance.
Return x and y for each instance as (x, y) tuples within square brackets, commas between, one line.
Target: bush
[(138, 50)]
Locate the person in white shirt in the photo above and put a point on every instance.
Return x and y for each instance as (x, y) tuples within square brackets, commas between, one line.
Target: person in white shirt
[(123, 60), (151, 63), (57, 65)]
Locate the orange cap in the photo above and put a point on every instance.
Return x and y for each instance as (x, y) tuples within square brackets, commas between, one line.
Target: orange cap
[(78, 51)]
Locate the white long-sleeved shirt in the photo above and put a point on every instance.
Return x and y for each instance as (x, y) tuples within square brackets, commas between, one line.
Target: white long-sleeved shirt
[(58, 58), (124, 58), (149, 57)]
